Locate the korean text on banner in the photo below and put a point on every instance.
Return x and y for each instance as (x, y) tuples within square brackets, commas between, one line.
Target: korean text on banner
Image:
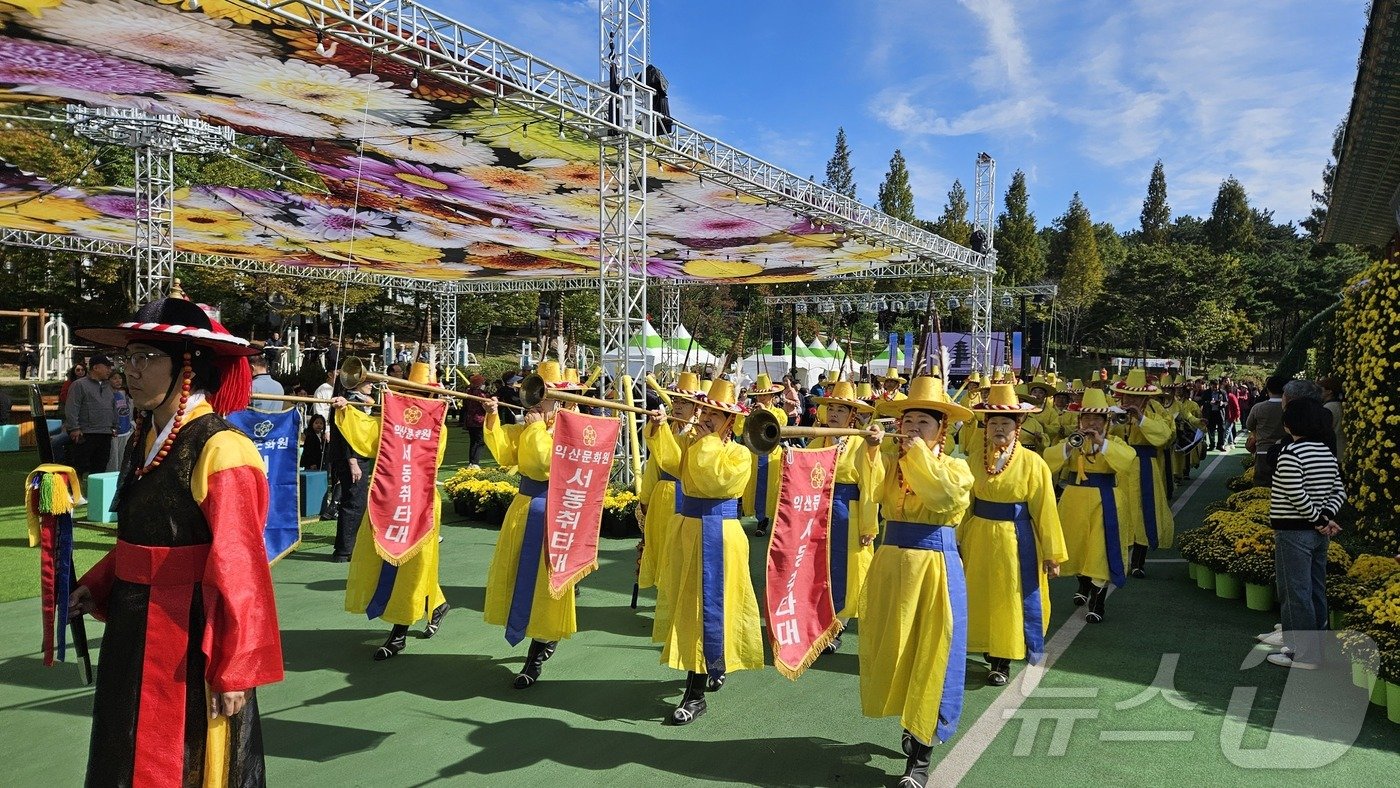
[(402, 490), (578, 480), (801, 618), (274, 435)]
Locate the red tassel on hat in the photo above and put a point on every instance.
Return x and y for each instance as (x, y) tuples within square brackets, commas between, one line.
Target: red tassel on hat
[(235, 380)]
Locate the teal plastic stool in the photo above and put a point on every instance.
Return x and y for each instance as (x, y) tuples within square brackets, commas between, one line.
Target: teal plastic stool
[(101, 489), (9, 437), (313, 489)]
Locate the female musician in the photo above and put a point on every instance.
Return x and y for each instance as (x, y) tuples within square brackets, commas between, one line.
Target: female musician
[(761, 495), (714, 626), (1011, 542), (517, 583), (913, 644), (657, 509), (1149, 433)]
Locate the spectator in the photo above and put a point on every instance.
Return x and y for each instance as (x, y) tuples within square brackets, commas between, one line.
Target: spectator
[(508, 391), (1214, 406), (90, 418), (27, 361), (1295, 390), (1332, 400), (474, 418), (78, 371), (354, 472), (792, 400), (122, 402), (395, 370), (1232, 414), (325, 391), (1265, 425), (264, 383), (1305, 497), (332, 355), (313, 444), (272, 351)]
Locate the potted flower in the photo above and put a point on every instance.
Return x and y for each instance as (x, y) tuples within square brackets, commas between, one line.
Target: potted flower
[(1254, 566), (620, 514)]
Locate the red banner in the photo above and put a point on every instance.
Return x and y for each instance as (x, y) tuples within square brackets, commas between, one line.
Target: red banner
[(801, 618), (402, 490), (578, 480)]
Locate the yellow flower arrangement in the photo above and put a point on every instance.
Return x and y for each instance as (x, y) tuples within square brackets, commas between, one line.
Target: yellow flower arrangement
[(1373, 567)]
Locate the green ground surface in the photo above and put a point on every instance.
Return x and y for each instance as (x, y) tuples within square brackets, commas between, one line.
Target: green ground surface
[(444, 713)]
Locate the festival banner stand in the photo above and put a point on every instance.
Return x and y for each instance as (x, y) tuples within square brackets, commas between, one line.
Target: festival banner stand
[(275, 435), (403, 485), (801, 617), (51, 493), (578, 480)]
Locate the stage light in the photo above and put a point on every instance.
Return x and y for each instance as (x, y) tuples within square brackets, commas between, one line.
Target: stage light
[(1007, 301), (413, 83), (882, 305), (953, 303), (913, 305), (898, 306), (846, 308), (826, 307), (800, 308)]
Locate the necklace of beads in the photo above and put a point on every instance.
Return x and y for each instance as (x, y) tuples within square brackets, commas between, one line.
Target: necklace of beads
[(1010, 454), (186, 375)]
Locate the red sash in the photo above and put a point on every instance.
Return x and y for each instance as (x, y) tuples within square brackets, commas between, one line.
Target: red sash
[(402, 489), (578, 480), (171, 573), (801, 617)]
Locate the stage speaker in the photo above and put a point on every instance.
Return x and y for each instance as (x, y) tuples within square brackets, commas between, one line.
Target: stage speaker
[(1036, 343), (779, 341)]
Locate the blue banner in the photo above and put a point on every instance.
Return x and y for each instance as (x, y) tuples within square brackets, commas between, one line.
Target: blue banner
[(275, 437)]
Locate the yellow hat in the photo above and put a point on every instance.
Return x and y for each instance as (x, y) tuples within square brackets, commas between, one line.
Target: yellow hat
[(1075, 387), (721, 397), (421, 372), (763, 385), (554, 377), (1136, 383), (1022, 390), (687, 384), (893, 374), (1002, 400), (1041, 381), (974, 379), (843, 393), (1095, 401), (927, 393), (571, 375), (864, 391)]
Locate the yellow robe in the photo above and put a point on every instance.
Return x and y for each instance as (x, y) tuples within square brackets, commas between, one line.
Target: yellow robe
[(1053, 421), (864, 519), (416, 588), (774, 472), (1081, 508), (1192, 413), (995, 616), (709, 468), (530, 447), (660, 525), (1154, 430), (906, 613)]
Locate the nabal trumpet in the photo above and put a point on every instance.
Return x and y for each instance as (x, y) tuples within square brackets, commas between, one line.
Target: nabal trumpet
[(762, 432), (1075, 440), (353, 373), (256, 396), (533, 391)]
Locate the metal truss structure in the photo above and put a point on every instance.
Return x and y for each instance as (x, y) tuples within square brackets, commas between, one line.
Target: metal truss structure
[(447, 328), (984, 196), (155, 139), (670, 318), (901, 302)]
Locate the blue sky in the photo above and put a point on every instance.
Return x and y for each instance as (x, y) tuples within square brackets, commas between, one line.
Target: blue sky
[(1083, 95)]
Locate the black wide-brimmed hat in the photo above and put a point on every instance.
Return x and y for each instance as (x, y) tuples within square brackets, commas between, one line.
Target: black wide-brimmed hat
[(171, 320)]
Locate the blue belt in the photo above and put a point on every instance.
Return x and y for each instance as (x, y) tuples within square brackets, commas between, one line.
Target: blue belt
[(666, 477), (527, 571), (1148, 488), (711, 512), (920, 536), (760, 489), (1032, 615), (841, 499), (1106, 482)]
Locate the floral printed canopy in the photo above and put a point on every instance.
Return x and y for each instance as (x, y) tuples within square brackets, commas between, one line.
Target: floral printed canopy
[(426, 179)]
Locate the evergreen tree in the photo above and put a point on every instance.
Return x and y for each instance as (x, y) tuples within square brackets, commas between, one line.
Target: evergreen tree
[(953, 224), (1075, 255), (1230, 227), (1020, 254), (1156, 213), (840, 177), (896, 198)]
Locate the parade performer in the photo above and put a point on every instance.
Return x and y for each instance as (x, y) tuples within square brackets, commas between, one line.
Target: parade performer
[(1149, 434), (186, 593), (889, 392), (761, 494), (657, 506), (402, 590), (913, 644), (854, 525), (1011, 542), (1190, 413), (714, 627), (1052, 418), (517, 583), (1095, 533)]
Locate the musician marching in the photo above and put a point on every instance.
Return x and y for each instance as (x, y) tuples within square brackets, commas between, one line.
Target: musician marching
[(1149, 433)]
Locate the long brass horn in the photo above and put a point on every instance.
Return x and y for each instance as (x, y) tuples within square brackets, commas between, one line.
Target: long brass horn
[(353, 373), (762, 432), (533, 391)]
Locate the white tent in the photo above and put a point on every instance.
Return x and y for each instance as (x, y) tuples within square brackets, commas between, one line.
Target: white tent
[(645, 352), (685, 346)]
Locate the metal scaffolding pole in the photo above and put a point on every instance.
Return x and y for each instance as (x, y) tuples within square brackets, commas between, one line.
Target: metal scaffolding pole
[(670, 319), (447, 329), (984, 197)]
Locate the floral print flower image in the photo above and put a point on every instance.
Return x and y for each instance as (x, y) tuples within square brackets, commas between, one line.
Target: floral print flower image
[(231, 10), (138, 31), (522, 132), (36, 8), (101, 229), (733, 226), (21, 211), (310, 87), (253, 116), (380, 248), (691, 193), (357, 60), (570, 175), (117, 206), (211, 224), (43, 65), (438, 147), (406, 179), (509, 180), (321, 222)]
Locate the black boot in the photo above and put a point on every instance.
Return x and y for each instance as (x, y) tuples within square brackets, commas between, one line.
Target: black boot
[(1000, 672), (833, 646), (692, 703), (1086, 587), (435, 620), (1139, 560), (393, 645), (540, 651), (1095, 612), (916, 768), (715, 683), (761, 529)]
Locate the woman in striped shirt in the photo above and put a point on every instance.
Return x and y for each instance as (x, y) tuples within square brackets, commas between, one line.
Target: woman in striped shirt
[(1305, 496)]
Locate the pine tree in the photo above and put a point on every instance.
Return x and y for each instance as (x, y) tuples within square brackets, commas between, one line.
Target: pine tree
[(1156, 213), (953, 224), (896, 198), (1075, 255), (840, 178), (1230, 227), (1020, 254)]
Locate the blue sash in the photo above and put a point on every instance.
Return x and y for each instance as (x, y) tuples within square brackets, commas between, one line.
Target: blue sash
[(1032, 616), (760, 489), (838, 544), (1149, 492), (711, 512), (920, 536), (666, 477), (1105, 482), (527, 571)]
